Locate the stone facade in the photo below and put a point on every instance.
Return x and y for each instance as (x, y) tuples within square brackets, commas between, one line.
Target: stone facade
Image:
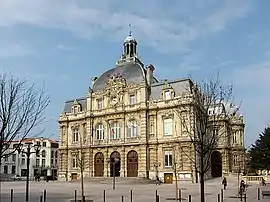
[(126, 124)]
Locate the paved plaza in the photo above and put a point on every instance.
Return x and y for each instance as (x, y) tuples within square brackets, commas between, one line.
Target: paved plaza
[(142, 192)]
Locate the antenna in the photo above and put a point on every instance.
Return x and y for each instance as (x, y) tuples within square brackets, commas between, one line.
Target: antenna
[(130, 29)]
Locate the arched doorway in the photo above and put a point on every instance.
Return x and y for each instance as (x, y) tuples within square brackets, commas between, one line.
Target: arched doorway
[(216, 164), (99, 164), (132, 164), (115, 164)]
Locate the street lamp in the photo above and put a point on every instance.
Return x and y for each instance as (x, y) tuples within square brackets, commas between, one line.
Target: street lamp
[(115, 160), (28, 152)]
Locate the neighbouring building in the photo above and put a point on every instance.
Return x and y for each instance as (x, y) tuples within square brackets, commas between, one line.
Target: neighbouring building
[(126, 120), (45, 163)]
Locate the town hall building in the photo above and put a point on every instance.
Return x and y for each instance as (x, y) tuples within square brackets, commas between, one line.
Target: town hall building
[(126, 126)]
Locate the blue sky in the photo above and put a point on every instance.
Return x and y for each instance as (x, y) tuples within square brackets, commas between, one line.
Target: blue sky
[(63, 43)]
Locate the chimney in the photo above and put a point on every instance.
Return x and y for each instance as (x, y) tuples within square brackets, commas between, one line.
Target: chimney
[(94, 79), (149, 74)]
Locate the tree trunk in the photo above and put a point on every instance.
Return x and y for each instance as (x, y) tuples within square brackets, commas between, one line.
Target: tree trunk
[(82, 186), (202, 187)]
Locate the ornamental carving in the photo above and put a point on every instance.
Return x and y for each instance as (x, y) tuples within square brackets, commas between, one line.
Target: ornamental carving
[(115, 88)]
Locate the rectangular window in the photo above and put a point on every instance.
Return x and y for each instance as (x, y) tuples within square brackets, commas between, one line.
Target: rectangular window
[(235, 160), (52, 154), (99, 103), (234, 137), (23, 162), (6, 158), (13, 157), (55, 161), (75, 135), (38, 143), (51, 161), (168, 159), (168, 126), (13, 169), (99, 132), (115, 130), (167, 94), (132, 129), (132, 99), (37, 162), (23, 172), (43, 162), (44, 144), (6, 169), (74, 162)]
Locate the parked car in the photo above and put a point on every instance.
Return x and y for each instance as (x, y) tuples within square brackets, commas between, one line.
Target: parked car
[(16, 177)]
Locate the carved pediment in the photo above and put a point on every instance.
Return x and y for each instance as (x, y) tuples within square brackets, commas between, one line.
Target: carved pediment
[(115, 85)]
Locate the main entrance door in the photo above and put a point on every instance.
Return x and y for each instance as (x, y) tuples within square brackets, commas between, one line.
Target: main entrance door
[(99, 164), (115, 164), (132, 164), (216, 164)]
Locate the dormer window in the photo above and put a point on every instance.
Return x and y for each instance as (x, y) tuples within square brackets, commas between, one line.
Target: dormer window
[(167, 92), (132, 99), (167, 95), (76, 107), (99, 104)]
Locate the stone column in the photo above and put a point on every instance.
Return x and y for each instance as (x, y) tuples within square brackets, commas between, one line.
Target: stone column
[(123, 162)]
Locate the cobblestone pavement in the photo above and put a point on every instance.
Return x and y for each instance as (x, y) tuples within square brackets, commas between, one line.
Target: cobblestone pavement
[(64, 191)]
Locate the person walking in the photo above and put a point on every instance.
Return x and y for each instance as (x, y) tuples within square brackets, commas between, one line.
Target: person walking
[(224, 183)]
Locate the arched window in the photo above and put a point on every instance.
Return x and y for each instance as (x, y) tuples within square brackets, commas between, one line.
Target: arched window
[(132, 129), (99, 132), (115, 130)]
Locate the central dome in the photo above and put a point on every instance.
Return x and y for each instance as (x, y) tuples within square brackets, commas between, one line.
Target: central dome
[(132, 72)]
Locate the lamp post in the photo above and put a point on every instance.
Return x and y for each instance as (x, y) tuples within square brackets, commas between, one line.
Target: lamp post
[(115, 160), (28, 152)]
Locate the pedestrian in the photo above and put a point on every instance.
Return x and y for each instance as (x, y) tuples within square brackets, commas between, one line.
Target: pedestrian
[(224, 183)]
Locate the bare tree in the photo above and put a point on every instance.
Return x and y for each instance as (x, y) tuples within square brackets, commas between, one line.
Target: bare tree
[(203, 120), (82, 162), (22, 108)]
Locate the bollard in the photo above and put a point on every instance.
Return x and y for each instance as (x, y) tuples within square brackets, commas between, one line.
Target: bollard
[(104, 196), (259, 194), (11, 195), (157, 198), (245, 198), (75, 195), (180, 195), (122, 198), (45, 196), (218, 198), (156, 193), (130, 195), (222, 195), (41, 198), (83, 199), (189, 198)]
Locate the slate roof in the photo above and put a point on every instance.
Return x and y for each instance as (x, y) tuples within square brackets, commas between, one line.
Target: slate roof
[(132, 72), (179, 86), (69, 103)]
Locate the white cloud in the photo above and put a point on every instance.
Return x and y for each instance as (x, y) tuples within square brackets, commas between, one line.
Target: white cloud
[(89, 19)]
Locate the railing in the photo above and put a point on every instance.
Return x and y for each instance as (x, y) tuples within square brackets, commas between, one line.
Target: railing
[(253, 179)]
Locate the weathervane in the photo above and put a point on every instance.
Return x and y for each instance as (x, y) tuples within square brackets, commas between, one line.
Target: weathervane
[(130, 29)]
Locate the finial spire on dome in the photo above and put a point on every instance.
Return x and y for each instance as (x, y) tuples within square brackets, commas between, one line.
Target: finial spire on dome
[(130, 29)]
